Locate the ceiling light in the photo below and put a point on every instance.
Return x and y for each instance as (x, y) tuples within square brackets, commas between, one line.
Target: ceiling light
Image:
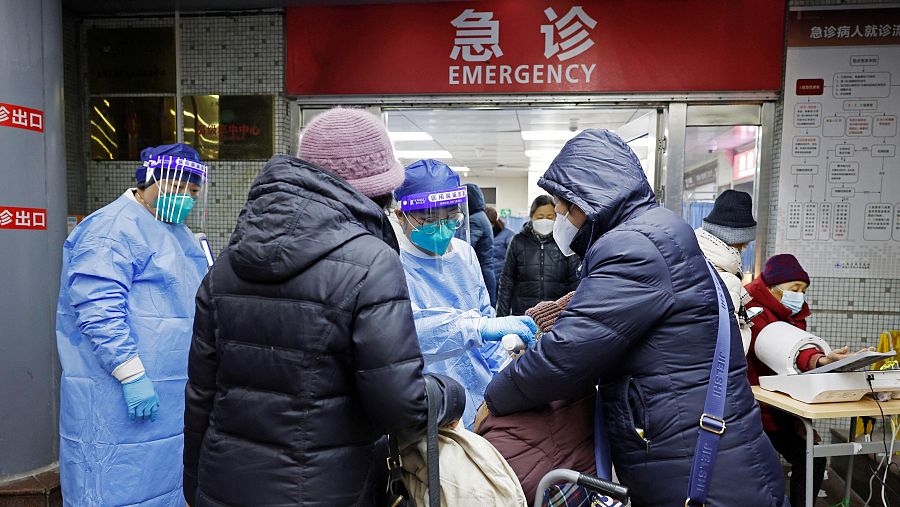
[(423, 154), (410, 136), (460, 169), (547, 135)]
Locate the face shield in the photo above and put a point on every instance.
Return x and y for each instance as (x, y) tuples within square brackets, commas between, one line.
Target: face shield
[(176, 190), (430, 221)]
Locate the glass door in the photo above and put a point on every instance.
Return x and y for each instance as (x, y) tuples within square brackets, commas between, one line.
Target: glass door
[(720, 148)]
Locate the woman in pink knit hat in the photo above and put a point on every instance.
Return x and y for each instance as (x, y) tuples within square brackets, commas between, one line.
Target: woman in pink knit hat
[(304, 351)]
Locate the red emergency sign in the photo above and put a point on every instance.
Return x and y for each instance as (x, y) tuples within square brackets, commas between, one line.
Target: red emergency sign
[(23, 218), (531, 46), (21, 117)]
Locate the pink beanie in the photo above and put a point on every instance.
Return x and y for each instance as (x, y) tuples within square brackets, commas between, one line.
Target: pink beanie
[(354, 145)]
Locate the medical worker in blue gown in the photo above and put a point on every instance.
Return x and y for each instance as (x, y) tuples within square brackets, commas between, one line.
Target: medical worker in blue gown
[(130, 274), (458, 330)]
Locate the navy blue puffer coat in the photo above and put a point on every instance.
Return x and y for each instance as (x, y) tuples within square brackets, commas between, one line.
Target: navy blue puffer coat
[(642, 324)]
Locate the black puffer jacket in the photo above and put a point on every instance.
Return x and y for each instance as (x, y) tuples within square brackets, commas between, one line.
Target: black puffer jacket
[(535, 271), (304, 350)]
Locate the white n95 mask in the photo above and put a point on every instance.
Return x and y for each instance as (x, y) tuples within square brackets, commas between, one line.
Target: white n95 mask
[(543, 226), (564, 232)]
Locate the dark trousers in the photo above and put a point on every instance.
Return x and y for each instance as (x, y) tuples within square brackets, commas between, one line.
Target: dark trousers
[(793, 448)]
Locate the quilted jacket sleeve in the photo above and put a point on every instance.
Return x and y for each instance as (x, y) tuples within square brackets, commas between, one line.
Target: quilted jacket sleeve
[(626, 291), (201, 386), (386, 350)]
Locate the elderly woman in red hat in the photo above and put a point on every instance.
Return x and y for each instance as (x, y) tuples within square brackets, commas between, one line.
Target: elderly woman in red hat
[(780, 292)]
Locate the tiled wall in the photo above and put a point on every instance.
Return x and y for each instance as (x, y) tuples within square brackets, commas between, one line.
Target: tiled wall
[(234, 54), (76, 162)]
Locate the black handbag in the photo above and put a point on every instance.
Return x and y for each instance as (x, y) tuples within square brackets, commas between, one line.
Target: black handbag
[(397, 492)]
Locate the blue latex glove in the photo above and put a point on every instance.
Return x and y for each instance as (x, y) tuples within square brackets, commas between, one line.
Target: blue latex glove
[(140, 396), (493, 330)]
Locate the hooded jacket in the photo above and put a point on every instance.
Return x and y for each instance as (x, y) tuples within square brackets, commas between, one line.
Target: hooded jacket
[(643, 324), (727, 261), (304, 350), (535, 270), (481, 237)]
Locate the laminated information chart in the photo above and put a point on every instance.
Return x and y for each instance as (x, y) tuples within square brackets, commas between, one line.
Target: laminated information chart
[(839, 194)]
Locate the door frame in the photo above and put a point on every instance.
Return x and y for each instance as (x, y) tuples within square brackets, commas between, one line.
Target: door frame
[(762, 115), (675, 112)]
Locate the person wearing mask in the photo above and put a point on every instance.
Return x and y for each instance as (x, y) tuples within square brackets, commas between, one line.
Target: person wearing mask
[(535, 269), (458, 330), (642, 324), (780, 292), (126, 304), (481, 237), (304, 350), (725, 232), (502, 237)]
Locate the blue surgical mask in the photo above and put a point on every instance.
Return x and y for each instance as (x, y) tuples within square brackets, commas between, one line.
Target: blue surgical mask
[(436, 241), (174, 208), (793, 301)]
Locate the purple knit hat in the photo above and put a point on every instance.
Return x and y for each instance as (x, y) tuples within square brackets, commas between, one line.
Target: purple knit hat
[(354, 145), (783, 268)]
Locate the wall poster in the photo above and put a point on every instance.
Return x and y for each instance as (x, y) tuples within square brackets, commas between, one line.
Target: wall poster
[(839, 194)]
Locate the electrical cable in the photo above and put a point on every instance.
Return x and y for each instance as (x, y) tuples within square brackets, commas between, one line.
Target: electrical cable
[(875, 475), (888, 452), (890, 457), (869, 378)]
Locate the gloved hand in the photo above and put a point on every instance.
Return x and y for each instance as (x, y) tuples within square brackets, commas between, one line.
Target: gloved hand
[(140, 396), (493, 330)]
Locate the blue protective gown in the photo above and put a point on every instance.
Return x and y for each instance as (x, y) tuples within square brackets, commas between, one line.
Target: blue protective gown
[(449, 299), (128, 287)]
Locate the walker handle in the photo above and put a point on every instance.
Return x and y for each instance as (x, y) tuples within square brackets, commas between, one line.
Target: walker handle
[(610, 489)]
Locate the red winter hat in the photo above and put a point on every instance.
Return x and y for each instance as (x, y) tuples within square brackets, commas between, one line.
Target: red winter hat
[(783, 268)]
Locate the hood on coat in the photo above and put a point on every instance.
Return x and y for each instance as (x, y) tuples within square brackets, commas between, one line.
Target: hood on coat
[(724, 257), (296, 214), (600, 174), (475, 198)]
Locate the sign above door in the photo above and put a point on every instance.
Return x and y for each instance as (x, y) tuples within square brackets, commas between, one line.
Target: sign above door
[(514, 46)]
